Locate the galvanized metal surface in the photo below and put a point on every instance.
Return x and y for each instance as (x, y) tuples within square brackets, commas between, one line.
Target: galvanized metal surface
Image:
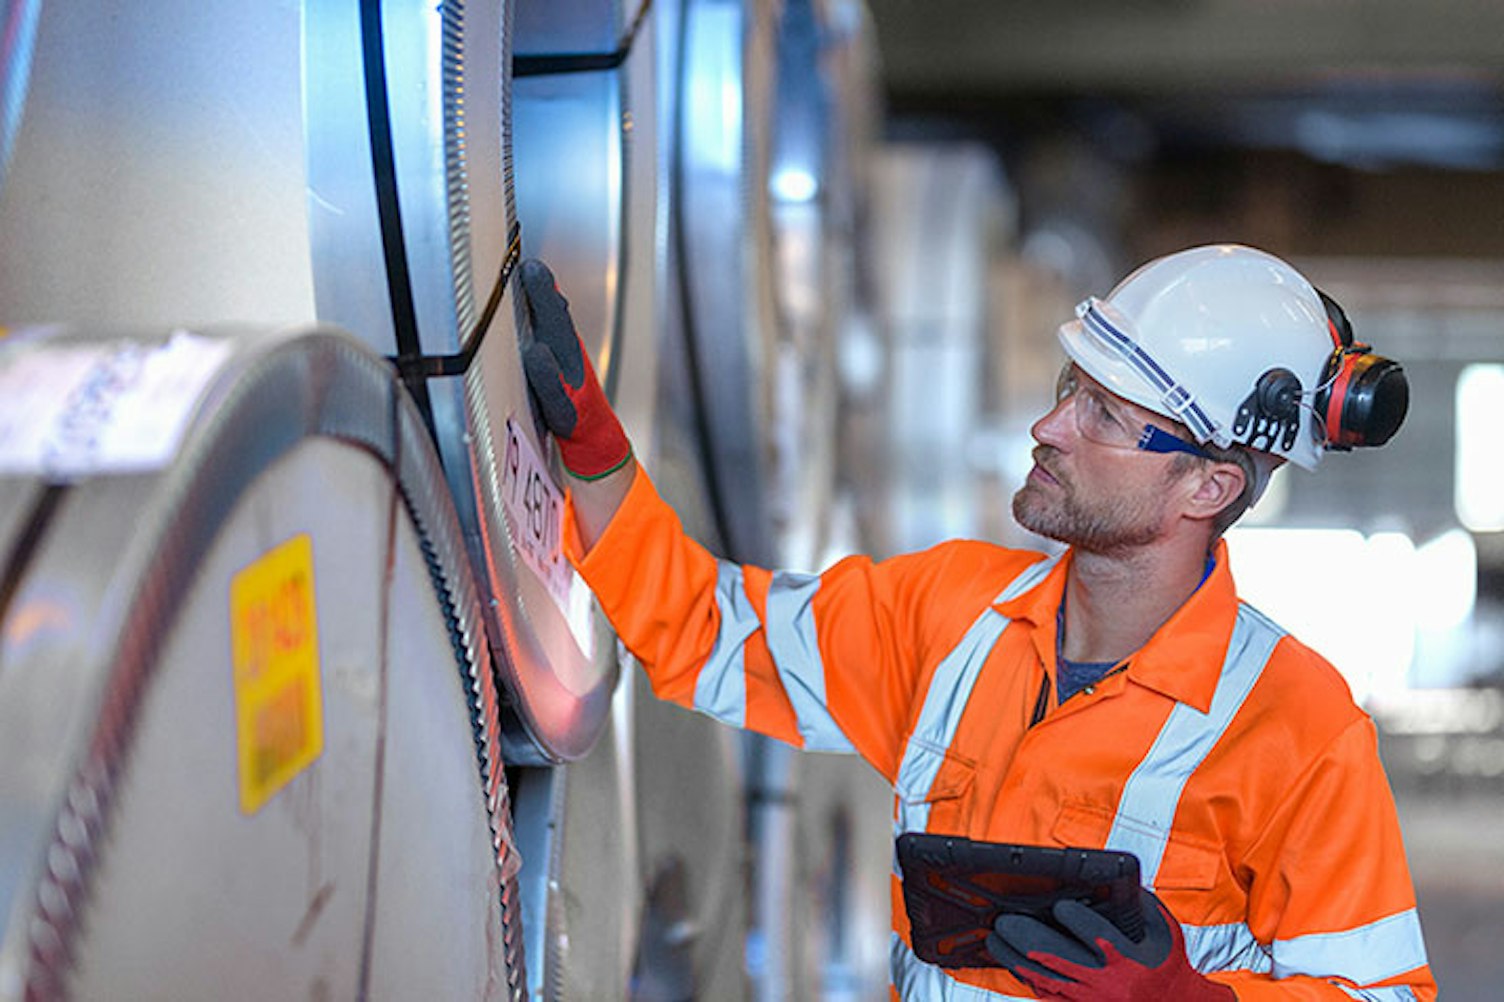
[(571, 126), (582, 826), (766, 191), (162, 171), (943, 209), (127, 672), (173, 846), (722, 241), (428, 213), (19, 18), (604, 225)]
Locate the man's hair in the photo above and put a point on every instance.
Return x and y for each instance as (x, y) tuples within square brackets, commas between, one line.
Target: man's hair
[(1184, 462)]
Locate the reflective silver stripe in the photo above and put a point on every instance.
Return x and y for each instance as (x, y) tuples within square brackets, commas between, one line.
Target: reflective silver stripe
[(1225, 948), (721, 690), (1374, 952), (1395, 993), (1232, 947), (1152, 793), (921, 764), (795, 647), (945, 701), (917, 981)]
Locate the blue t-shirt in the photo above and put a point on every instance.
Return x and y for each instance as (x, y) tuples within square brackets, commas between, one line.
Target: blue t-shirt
[(1073, 676)]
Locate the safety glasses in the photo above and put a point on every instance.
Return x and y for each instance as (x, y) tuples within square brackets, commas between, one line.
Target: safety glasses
[(1099, 419)]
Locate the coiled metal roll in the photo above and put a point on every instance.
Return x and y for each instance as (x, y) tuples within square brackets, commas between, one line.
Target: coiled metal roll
[(415, 241), (249, 731)]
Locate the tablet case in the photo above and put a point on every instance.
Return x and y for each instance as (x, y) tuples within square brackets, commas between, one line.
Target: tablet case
[(954, 889)]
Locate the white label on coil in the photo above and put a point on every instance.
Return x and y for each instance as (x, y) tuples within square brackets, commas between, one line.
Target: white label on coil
[(535, 508), (73, 409)]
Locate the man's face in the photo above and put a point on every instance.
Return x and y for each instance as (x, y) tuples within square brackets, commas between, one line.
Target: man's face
[(1083, 492)]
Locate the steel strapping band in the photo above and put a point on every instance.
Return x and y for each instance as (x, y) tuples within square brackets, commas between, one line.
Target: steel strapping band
[(583, 62), (429, 366), (36, 523), (388, 207), (412, 365)]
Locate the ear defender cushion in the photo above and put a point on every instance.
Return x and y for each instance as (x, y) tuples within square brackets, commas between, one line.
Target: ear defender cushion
[(1364, 399), (1378, 397)]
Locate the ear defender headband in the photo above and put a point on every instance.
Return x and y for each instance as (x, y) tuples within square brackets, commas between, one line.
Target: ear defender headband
[(1362, 397)]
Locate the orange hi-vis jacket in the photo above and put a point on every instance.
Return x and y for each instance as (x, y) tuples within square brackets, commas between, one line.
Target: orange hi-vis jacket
[(1226, 755)]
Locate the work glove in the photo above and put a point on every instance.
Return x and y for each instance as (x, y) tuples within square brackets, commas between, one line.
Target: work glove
[(1096, 961), (563, 382)]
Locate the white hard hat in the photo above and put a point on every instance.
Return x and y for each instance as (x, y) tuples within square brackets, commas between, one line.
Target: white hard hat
[(1210, 337)]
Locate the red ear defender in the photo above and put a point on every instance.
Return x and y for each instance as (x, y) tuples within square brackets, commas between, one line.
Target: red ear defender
[(1362, 397)]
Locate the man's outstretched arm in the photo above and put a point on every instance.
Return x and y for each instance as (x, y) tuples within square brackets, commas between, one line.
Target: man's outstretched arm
[(592, 444), (596, 501)]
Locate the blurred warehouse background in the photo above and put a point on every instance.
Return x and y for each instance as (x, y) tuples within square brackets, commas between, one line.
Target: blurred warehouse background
[(1363, 140), (819, 249)]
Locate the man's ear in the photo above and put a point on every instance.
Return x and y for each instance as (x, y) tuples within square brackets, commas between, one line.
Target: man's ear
[(1218, 485)]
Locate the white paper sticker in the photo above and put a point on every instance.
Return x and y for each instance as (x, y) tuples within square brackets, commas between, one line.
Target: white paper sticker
[(72, 409), (535, 508)]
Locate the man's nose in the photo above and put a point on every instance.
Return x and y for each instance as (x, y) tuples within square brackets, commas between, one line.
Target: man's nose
[(1055, 427)]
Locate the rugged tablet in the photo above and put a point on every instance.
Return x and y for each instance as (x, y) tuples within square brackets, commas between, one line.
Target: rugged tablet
[(954, 889)]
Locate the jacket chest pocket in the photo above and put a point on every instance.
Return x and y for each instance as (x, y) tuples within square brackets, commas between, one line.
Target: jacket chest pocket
[(1187, 863), (934, 789)]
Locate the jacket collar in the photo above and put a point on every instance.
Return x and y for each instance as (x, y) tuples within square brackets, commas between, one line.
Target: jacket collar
[(1184, 657)]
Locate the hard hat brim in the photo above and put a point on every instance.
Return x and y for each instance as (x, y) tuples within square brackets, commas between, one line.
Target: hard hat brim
[(1105, 341), (1109, 368)]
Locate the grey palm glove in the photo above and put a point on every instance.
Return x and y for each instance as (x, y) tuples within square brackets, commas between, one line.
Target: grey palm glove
[(1095, 961), (563, 382)]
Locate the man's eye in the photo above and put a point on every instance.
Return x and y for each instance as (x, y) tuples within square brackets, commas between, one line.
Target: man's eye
[(1099, 412)]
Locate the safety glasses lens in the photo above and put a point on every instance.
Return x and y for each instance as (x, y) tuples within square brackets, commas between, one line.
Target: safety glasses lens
[(1096, 419), (1100, 421)]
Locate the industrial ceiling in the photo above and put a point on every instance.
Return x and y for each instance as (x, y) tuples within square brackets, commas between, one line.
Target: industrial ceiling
[(1368, 83)]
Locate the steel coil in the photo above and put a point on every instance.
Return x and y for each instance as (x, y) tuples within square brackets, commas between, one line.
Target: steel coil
[(248, 663)]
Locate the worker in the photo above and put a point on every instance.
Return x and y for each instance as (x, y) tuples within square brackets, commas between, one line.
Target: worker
[(1118, 695)]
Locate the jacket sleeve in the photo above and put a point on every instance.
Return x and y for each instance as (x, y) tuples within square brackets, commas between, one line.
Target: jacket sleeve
[(826, 662), (1330, 897)]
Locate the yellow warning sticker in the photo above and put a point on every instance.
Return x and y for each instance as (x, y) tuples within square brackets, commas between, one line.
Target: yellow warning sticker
[(279, 714)]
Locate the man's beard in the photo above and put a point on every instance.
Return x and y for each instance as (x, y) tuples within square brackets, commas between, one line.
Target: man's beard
[(1104, 526)]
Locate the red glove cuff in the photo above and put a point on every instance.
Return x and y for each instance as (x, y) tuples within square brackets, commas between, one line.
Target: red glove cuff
[(598, 445)]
